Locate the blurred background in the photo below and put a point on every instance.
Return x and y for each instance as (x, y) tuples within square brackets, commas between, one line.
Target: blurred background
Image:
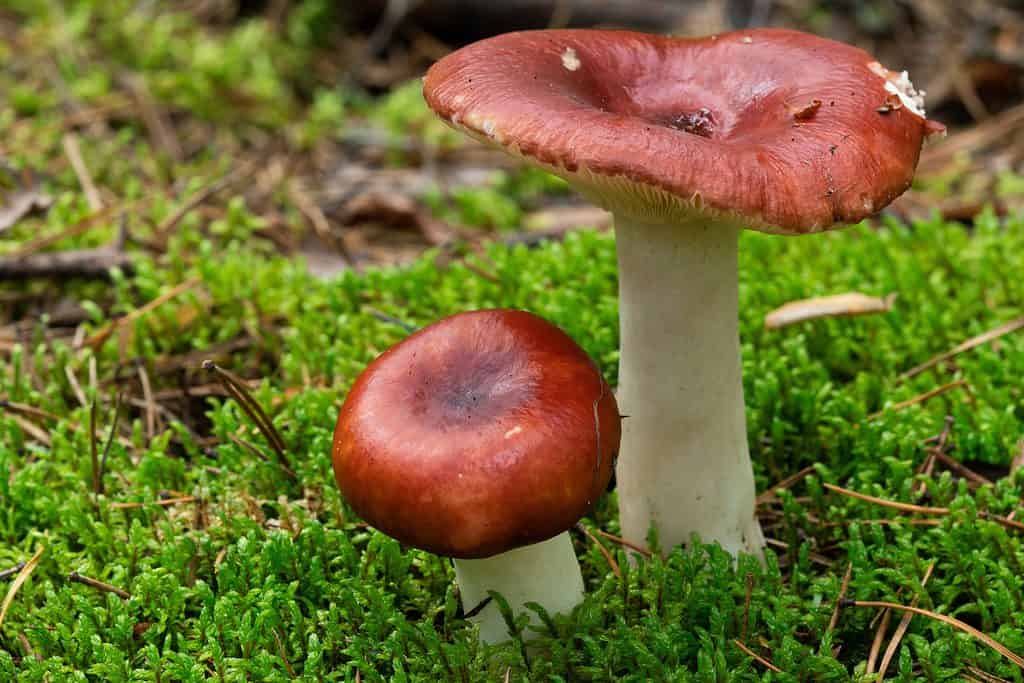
[(311, 111), (967, 56)]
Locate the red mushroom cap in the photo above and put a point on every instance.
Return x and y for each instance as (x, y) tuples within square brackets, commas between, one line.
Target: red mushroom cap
[(483, 432), (780, 130)]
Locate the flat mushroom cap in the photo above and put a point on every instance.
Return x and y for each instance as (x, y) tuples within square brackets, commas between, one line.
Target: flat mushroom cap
[(782, 131), (484, 432)]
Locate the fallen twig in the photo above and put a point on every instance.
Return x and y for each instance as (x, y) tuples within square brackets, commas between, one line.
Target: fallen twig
[(834, 621), (147, 396), (165, 502), (235, 386), (34, 245), (96, 262), (98, 585), (955, 623), (901, 628), (19, 580), (27, 410), (384, 317), (971, 343), (940, 445), (747, 595), (318, 221), (99, 337), (769, 493), (1018, 459), (895, 505), (168, 224), (817, 558), (756, 657), (74, 154), (8, 573), (106, 446), (924, 510), (876, 644), (604, 551), (160, 129), (961, 469), (623, 542), (920, 398)]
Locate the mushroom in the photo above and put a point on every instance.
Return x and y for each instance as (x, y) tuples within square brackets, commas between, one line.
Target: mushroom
[(687, 142), (483, 437)]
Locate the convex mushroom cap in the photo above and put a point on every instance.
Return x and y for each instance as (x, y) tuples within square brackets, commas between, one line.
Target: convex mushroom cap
[(783, 131), (481, 433)]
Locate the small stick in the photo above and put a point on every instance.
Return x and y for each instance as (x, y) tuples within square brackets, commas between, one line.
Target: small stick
[(891, 522), (746, 605), (769, 493), (96, 262), (160, 129), (813, 556), (971, 343), (82, 226), (74, 153), (108, 444), (384, 317), (93, 451), (478, 608), (8, 573), (168, 224), (604, 551), (1018, 460), (75, 386), (318, 221), (901, 628), (147, 395), (27, 410), (97, 339), (834, 621), (252, 448), (920, 398), (165, 502), (961, 469), (623, 542), (895, 505), (909, 507), (281, 652), (999, 519), (955, 623), (756, 657), (238, 391), (27, 647), (32, 430), (985, 676), (98, 585), (876, 644), (23, 574), (940, 445)]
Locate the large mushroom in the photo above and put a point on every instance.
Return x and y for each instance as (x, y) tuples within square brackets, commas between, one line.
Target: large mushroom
[(687, 142), (483, 437)]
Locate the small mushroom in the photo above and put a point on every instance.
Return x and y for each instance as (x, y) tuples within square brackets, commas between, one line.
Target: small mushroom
[(687, 142), (483, 437)]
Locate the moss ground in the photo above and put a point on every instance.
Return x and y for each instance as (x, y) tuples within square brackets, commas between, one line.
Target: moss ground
[(233, 570)]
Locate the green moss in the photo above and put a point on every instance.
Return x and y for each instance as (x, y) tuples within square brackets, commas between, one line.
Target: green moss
[(270, 578)]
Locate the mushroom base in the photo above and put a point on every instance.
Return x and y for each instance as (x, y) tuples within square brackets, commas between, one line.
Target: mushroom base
[(547, 573), (684, 465)]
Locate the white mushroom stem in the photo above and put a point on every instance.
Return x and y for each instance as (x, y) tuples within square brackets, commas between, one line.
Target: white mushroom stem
[(684, 465), (547, 573)]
